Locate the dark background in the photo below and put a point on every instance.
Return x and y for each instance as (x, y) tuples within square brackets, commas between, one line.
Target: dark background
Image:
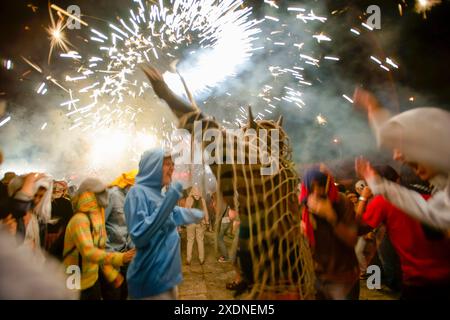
[(419, 45)]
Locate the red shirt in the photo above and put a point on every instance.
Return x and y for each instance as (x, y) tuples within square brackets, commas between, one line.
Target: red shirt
[(422, 261)]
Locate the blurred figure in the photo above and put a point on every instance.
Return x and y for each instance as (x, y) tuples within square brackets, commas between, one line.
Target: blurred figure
[(20, 279), (366, 247), (5, 182), (224, 227), (38, 214), (330, 226), (119, 239), (61, 213), (353, 198), (424, 260), (359, 186), (196, 231), (427, 151), (152, 219), (85, 241)]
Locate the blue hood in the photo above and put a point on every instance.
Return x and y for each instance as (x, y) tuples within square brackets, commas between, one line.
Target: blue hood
[(150, 168), (152, 219)]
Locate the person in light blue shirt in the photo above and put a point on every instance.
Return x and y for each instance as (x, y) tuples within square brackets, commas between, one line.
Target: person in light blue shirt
[(152, 219)]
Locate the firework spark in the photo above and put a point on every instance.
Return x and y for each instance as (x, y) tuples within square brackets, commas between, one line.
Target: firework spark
[(198, 33), (422, 6), (57, 36)]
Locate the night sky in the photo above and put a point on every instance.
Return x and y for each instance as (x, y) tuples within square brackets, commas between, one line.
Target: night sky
[(420, 47)]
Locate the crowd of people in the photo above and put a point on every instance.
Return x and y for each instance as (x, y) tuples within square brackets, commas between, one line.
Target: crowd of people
[(124, 236)]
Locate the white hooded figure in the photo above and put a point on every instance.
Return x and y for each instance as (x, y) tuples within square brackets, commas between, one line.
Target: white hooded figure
[(419, 138)]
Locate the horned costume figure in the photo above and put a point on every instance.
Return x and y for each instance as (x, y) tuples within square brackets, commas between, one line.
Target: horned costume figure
[(275, 258)]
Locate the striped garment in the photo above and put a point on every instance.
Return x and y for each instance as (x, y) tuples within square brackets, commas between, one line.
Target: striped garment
[(91, 247), (275, 257)]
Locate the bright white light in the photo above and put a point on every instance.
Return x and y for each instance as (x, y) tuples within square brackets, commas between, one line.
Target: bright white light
[(355, 31), (3, 122), (347, 98)]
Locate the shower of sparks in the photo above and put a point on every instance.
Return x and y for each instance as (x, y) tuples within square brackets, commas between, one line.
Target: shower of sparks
[(107, 84), (107, 92)]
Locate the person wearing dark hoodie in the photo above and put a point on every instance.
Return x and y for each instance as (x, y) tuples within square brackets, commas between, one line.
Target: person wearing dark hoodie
[(152, 219), (328, 221)]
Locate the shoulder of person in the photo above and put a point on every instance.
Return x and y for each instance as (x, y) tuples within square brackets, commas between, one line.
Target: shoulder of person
[(78, 217)]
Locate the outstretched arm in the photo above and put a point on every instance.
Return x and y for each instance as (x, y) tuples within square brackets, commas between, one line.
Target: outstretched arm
[(376, 113), (178, 106)]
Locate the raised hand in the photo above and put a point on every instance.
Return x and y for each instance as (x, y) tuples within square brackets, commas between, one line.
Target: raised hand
[(366, 101), (29, 182), (161, 89), (156, 79), (364, 169), (322, 208)]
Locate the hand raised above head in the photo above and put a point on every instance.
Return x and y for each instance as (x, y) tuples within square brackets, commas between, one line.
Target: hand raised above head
[(364, 169), (156, 79), (365, 100)]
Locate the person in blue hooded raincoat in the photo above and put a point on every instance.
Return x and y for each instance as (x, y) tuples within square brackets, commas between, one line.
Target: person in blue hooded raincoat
[(152, 219)]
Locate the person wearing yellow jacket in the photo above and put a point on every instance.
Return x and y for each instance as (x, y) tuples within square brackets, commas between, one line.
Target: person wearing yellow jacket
[(85, 241)]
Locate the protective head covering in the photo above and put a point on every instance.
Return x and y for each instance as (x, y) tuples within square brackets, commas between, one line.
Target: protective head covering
[(387, 172), (44, 208), (90, 187), (150, 168), (322, 179), (8, 177), (421, 135), (125, 179)]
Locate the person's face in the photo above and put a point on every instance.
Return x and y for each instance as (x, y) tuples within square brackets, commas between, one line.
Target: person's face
[(421, 170), (58, 191), (398, 155), (195, 193), (168, 167), (38, 196)]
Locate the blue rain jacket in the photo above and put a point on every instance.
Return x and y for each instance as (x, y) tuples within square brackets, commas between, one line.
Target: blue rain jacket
[(152, 220)]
